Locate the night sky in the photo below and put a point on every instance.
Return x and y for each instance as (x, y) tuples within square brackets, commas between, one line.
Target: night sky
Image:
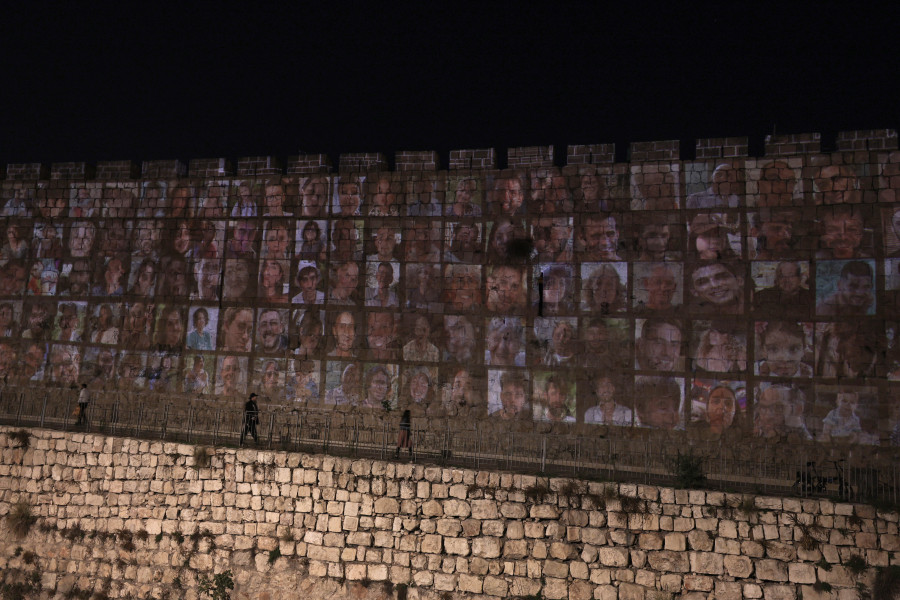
[(199, 80)]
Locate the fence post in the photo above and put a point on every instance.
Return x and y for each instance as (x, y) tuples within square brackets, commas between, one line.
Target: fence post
[(66, 421), (190, 429), (21, 407), (543, 453), (43, 410)]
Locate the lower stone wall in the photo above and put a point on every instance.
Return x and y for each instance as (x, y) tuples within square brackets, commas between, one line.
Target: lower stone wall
[(121, 518)]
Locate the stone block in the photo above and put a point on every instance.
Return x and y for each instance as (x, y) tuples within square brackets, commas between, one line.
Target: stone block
[(738, 566), (486, 547), (771, 570), (698, 583), (630, 591), (470, 584), (553, 568), (779, 592), (386, 506), (457, 546), (555, 589), (669, 561), (614, 557), (707, 562)]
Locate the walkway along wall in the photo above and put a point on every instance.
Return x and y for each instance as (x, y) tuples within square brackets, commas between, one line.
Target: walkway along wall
[(132, 518)]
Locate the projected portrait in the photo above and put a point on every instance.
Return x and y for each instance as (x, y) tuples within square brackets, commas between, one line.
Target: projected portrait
[(553, 397), (237, 329), (304, 381), (722, 188), (207, 278), (657, 237), (81, 239), (153, 200), (242, 240), (658, 402), (111, 276), (175, 279), (717, 406), (346, 240), (308, 333), (608, 402), (843, 233), (46, 244), (314, 195), (508, 393), (603, 287), (344, 283), (783, 349), (778, 234), (146, 236), (418, 345), (845, 288), (657, 189), (203, 325), (464, 242), (50, 203), (276, 201), (213, 200), (719, 347), (269, 379), (657, 286), (836, 184), (851, 349), (136, 324), (462, 288), (342, 382), (507, 242), (277, 236), (659, 344), (10, 315), (504, 343), (238, 279), (424, 199), (782, 288), (605, 344), (781, 411), (348, 196), (245, 199), (312, 240), (598, 238), (98, 368), (506, 291), (38, 319), (343, 330), (465, 198), (460, 339), (182, 201), (19, 202), (549, 193), (507, 196), (381, 336), (273, 281), (43, 277), (384, 198), (65, 365), (418, 390), (170, 328), (717, 288), (552, 239), (33, 357), (271, 330), (382, 290), (104, 324), (197, 374), (308, 284), (423, 286), (231, 376), (774, 183), (851, 417), (553, 289), (130, 372), (556, 341), (422, 240), (118, 202), (69, 321), (462, 391), (714, 236), (12, 278)]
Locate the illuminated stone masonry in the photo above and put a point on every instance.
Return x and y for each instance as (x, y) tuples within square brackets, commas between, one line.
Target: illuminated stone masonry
[(726, 294)]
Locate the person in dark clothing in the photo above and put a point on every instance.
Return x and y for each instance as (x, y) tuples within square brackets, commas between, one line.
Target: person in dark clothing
[(251, 418), (84, 398), (403, 440)]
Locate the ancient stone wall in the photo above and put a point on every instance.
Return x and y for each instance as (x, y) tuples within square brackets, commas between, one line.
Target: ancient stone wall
[(753, 296), (139, 519)]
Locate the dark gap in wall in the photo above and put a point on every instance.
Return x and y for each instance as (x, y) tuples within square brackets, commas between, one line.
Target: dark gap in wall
[(443, 160), (828, 140), (501, 155), (687, 149), (560, 155), (623, 151), (756, 146)]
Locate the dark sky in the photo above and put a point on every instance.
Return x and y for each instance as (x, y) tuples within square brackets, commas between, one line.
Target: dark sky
[(194, 80)]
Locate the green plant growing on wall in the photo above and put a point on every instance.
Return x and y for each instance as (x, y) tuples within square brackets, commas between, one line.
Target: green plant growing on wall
[(688, 470), (274, 555), (632, 504), (537, 493), (748, 506), (201, 457), (20, 438), (218, 587), (20, 520), (857, 564)]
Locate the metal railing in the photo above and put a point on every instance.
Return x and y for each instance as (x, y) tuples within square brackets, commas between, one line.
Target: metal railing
[(637, 456)]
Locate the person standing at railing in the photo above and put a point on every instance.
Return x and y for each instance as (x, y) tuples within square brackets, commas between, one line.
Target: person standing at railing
[(251, 418), (84, 398), (404, 440)]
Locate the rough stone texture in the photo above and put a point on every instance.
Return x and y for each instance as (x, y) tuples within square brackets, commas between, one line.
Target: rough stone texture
[(398, 523)]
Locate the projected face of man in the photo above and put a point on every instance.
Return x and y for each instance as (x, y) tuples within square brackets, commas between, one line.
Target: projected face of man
[(460, 337), (661, 287), (309, 281), (347, 280), (344, 332), (313, 197), (660, 347), (237, 278), (788, 278), (843, 234), (271, 329), (509, 195), (855, 291), (716, 284), (277, 242), (237, 332), (385, 241), (601, 238), (348, 198), (230, 370), (379, 330), (507, 292), (464, 192), (81, 240)]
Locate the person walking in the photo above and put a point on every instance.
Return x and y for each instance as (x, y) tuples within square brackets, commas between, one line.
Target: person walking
[(251, 418), (404, 440), (84, 398)]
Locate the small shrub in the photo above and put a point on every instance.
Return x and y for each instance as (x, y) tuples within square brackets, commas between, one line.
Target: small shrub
[(855, 520), (365, 582), (201, 457), (274, 555), (217, 587), (28, 557), (158, 537), (20, 519), (537, 492), (178, 537), (125, 540), (17, 552), (856, 564), (822, 587), (596, 501), (142, 535), (824, 565), (610, 492), (688, 470), (287, 535), (570, 491), (748, 506), (20, 438), (631, 504)]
